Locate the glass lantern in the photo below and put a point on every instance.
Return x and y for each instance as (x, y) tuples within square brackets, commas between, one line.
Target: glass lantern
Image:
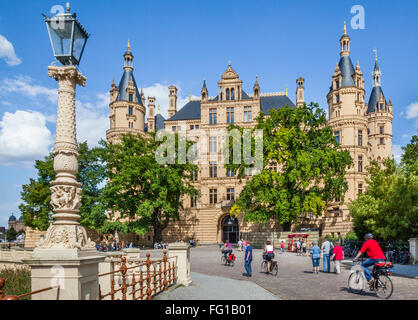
[(68, 37)]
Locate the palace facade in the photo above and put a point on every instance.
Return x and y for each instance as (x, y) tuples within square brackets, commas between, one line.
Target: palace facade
[(363, 128)]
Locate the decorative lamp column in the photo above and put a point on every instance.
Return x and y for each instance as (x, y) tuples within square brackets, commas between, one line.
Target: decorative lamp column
[(66, 257), (68, 39)]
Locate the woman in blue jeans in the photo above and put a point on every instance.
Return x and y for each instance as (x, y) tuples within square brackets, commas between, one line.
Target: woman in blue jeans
[(315, 253)]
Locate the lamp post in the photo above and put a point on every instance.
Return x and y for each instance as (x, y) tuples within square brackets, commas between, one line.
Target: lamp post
[(68, 39), (66, 257)]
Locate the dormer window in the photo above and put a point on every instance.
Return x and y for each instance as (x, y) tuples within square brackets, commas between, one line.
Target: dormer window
[(337, 98), (131, 97), (131, 111), (337, 84), (232, 94), (227, 94)]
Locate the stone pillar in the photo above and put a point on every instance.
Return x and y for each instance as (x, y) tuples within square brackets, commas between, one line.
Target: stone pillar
[(182, 252), (413, 249), (66, 257)]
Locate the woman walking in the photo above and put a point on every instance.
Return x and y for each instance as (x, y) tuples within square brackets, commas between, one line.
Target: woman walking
[(338, 254), (315, 253)]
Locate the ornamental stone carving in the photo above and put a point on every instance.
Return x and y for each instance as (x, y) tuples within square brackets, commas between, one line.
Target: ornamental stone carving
[(66, 232)]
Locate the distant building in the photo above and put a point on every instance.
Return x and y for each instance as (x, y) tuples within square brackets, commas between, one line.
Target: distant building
[(364, 129), (16, 224)]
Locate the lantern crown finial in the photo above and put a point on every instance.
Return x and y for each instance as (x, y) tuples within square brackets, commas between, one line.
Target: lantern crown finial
[(67, 7)]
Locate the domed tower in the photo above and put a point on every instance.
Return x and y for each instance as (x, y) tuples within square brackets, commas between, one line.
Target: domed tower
[(380, 116), (127, 110), (349, 123)]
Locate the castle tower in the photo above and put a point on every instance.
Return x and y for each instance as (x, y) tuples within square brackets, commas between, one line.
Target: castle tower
[(151, 114), (379, 116), (300, 92), (172, 100), (127, 110), (349, 124)]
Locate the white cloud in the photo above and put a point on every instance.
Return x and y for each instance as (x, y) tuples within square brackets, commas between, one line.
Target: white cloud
[(25, 86), (93, 120), (7, 52), (397, 153), (24, 137), (412, 111)]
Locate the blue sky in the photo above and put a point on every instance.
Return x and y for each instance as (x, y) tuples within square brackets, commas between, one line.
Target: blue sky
[(183, 42)]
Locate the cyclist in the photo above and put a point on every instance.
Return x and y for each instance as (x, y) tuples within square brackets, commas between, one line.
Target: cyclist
[(226, 249), (375, 253), (268, 254)]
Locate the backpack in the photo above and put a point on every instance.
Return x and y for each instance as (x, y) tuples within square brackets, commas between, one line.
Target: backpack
[(231, 257)]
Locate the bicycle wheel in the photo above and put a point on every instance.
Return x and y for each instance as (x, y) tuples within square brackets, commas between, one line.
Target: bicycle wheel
[(232, 263), (275, 270), (383, 286), (264, 266), (356, 282), (223, 260)]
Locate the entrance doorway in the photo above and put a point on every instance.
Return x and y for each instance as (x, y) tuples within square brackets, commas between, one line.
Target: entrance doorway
[(230, 229)]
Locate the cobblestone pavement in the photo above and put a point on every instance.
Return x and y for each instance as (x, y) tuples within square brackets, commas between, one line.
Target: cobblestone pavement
[(295, 279)]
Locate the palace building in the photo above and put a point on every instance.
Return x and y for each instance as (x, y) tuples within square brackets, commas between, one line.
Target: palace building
[(363, 127)]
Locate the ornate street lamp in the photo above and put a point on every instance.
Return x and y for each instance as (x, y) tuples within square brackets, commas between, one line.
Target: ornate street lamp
[(68, 37)]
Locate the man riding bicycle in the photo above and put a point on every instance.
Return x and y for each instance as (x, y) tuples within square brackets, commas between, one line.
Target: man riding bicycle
[(375, 253), (268, 254)]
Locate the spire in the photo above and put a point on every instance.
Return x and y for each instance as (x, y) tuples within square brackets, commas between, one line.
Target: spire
[(128, 57), (345, 43), (256, 88), (376, 74), (159, 110)]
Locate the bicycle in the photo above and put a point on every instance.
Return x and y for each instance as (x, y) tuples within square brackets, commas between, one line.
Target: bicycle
[(382, 285), (225, 259), (274, 267)]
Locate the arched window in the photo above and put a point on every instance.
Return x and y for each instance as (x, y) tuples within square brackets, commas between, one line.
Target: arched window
[(232, 94), (227, 94)]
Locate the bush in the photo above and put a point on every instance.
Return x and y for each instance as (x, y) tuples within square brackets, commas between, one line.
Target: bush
[(331, 238), (17, 282), (350, 235)]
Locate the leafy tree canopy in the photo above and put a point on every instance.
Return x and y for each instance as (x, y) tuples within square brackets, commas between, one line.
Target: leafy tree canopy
[(36, 195), (389, 207), (310, 167), (142, 195)]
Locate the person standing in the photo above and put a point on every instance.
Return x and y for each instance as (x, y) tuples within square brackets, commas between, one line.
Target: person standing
[(338, 254), (282, 246), (239, 245), (326, 248), (298, 247), (244, 245), (315, 253), (248, 258), (304, 248)]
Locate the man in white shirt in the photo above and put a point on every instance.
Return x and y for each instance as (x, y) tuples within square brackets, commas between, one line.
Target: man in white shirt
[(240, 245), (326, 248)]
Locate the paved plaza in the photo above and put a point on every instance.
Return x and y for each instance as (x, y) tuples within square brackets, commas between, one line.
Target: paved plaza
[(294, 281)]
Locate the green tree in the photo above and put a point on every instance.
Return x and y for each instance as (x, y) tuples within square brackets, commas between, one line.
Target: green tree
[(389, 207), (36, 195), (11, 234), (311, 167), (142, 195), (410, 152)]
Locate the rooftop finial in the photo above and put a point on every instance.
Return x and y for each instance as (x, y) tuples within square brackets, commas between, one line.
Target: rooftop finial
[(129, 45), (159, 110), (345, 28), (229, 63), (67, 7), (375, 53)]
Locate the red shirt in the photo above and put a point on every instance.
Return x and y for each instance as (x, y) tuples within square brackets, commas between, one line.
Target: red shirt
[(373, 250), (338, 251), (282, 245)]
